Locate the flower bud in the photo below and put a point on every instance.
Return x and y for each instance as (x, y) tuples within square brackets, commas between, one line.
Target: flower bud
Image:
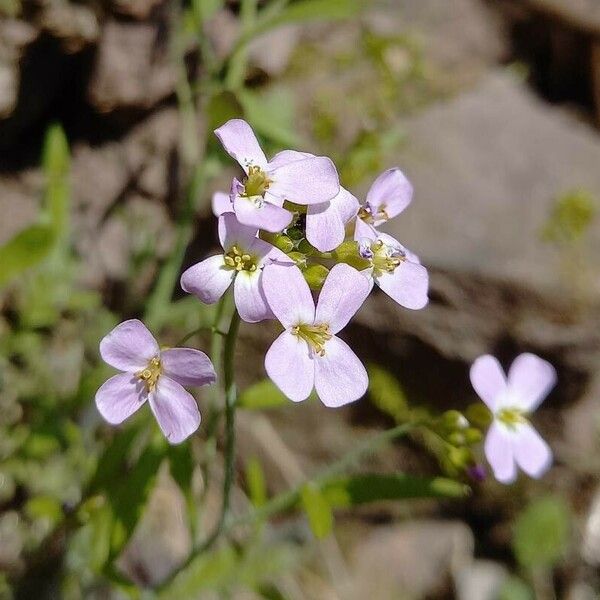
[(454, 420), (347, 252), (460, 458), (315, 276), (479, 415), (305, 247)]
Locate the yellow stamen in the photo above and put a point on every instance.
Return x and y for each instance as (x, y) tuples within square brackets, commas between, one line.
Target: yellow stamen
[(314, 335), (511, 417), (151, 373), (385, 258), (240, 261), (256, 183)]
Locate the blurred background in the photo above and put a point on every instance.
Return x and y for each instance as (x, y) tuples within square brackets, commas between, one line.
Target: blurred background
[(107, 167)]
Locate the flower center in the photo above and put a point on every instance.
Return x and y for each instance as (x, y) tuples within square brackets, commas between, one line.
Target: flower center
[(511, 417), (314, 335), (239, 260), (368, 216), (383, 258), (256, 183), (151, 373)]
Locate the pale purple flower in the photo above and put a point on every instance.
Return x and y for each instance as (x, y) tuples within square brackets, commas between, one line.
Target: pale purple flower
[(308, 353), (394, 268), (258, 199), (221, 203), (389, 195), (511, 440), (242, 261), (155, 375)]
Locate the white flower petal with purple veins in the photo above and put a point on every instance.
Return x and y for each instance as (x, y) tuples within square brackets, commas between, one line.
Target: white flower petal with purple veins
[(290, 367), (288, 294), (232, 232), (249, 297), (129, 346), (311, 180), (343, 293), (531, 379), (346, 204), (208, 280), (340, 377), (187, 366), (499, 453), (239, 141), (488, 380), (119, 397), (175, 410), (407, 285), (287, 156), (259, 213), (221, 203), (389, 195), (531, 452), (364, 231)]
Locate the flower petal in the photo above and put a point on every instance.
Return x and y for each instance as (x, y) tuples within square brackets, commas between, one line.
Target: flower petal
[(290, 367), (343, 293), (288, 294), (488, 380), (188, 366), (175, 410), (364, 231), (391, 192), (324, 226), (221, 203), (239, 141), (530, 379), (346, 204), (265, 216), (340, 377), (499, 453), (250, 298), (286, 156), (407, 285), (120, 396), (129, 346), (232, 232), (308, 181), (532, 453), (208, 280)]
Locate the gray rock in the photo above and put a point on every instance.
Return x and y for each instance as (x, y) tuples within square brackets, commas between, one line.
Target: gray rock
[(411, 560)]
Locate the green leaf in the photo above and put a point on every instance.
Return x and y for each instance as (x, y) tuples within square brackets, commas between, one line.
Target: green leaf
[(44, 507), (541, 532), (205, 9), (318, 510), (181, 466), (271, 114), (359, 489), (313, 10), (387, 394), (101, 524), (222, 107), (264, 394), (206, 572), (27, 249), (128, 497), (255, 479)]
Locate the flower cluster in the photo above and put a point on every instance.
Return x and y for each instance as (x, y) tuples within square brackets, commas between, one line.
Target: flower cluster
[(288, 225), (300, 249)]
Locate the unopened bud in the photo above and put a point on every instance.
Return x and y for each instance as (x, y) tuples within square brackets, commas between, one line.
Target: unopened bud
[(315, 276)]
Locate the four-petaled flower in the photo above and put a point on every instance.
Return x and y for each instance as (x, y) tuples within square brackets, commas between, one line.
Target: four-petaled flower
[(154, 375), (511, 440), (242, 261), (308, 353), (258, 199)]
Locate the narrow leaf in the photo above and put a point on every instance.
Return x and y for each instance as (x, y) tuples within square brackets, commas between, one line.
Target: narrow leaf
[(318, 511), (264, 394)]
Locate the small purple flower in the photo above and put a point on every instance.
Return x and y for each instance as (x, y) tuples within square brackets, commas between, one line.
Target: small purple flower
[(155, 375), (258, 200), (242, 262), (511, 440), (221, 203), (308, 353), (389, 195), (394, 268)]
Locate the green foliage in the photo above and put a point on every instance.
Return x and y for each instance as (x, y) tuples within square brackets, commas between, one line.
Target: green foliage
[(359, 489), (515, 589), (255, 480), (387, 394), (571, 217), (261, 395), (541, 532), (318, 510), (25, 250)]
